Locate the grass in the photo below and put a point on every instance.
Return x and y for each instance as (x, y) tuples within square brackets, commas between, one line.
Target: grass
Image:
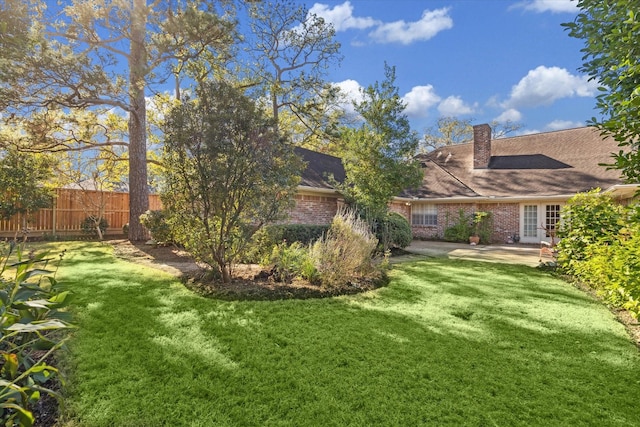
[(448, 342)]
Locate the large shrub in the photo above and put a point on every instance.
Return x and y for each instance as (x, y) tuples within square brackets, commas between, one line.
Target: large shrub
[(587, 218), (344, 254), (156, 223), (393, 231), (600, 247), (479, 224), (460, 230), (228, 172), (30, 319)]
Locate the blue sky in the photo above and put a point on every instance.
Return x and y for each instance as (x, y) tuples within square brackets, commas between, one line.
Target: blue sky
[(478, 59)]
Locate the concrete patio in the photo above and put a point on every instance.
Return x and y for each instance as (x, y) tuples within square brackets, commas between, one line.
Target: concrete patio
[(511, 254)]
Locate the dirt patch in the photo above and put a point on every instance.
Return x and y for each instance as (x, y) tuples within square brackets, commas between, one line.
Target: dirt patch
[(250, 281)]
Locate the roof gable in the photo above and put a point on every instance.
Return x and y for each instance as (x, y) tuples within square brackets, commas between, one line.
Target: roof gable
[(546, 164)]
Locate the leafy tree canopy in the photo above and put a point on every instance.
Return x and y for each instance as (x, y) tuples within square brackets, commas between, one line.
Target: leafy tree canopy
[(23, 177), (57, 59), (378, 156), (228, 173), (611, 34)]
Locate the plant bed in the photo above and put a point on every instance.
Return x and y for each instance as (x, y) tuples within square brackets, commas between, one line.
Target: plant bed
[(250, 281)]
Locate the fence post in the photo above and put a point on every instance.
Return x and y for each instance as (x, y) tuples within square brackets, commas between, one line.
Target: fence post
[(54, 215)]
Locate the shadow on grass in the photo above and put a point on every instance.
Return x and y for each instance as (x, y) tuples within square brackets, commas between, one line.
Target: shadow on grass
[(447, 343)]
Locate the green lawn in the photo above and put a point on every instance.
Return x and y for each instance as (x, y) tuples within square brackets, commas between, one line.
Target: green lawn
[(448, 342)]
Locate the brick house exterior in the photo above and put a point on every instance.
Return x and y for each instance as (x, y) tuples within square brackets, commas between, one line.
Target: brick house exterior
[(522, 181)]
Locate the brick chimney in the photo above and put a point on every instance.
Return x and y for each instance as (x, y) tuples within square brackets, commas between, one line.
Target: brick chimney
[(481, 146)]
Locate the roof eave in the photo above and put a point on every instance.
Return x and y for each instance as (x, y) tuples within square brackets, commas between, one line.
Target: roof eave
[(487, 199)]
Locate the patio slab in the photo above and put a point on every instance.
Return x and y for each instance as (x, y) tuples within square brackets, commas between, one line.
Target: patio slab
[(510, 254)]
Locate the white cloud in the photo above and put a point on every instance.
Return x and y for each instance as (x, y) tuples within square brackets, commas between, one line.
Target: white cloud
[(419, 100), (545, 85), (431, 23), (351, 91), (454, 106), (341, 16), (553, 6), (563, 124), (509, 115)]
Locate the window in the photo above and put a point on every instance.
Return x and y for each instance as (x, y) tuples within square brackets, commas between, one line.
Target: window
[(552, 218), (424, 214)]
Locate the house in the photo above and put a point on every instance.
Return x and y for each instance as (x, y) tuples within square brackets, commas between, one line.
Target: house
[(317, 201), (523, 181)]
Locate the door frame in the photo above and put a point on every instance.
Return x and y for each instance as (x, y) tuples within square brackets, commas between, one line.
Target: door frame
[(541, 219)]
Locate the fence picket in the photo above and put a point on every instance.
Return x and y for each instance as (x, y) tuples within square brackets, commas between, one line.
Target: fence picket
[(70, 208)]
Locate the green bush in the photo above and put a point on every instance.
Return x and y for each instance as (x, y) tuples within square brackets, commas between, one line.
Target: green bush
[(344, 254), (88, 226), (289, 261), (30, 319), (587, 218), (613, 270), (156, 223), (482, 226), (265, 239), (460, 230), (600, 246), (393, 231)]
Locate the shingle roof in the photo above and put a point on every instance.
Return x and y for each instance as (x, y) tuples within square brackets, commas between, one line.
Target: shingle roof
[(545, 164), (319, 168)]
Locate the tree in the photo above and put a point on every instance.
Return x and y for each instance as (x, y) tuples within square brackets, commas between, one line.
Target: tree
[(94, 173), (453, 130), (611, 34), (378, 156), (99, 55), (291, 51), (448, 131), (228, 173), (23, 178)]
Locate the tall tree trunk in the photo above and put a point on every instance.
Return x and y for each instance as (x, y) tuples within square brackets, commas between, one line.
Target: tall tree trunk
[(138, 189)]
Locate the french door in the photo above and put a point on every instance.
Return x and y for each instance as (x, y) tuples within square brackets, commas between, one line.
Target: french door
[(537, 221)]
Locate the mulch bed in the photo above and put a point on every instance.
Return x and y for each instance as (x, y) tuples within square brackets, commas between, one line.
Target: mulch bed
[(250, 282)]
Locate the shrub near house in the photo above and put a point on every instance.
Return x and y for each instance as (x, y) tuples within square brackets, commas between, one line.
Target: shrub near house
[(600, 246)]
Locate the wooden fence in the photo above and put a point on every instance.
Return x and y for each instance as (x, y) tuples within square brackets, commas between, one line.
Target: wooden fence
[(70, 208)]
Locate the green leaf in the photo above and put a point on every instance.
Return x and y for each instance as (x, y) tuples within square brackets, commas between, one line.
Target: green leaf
[(10, 366), (26, 417), (34, 303), (37, 326)]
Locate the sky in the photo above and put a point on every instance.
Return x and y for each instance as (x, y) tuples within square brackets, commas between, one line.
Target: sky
[(482, 60)]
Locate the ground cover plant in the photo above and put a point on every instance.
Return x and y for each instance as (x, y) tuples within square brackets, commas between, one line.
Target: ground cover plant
[(32, 319), (448, 342)]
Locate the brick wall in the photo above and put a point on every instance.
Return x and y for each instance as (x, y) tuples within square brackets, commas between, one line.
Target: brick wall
[(505, 216), (402, 208), (506, 219), (313, 209), (316, 209)]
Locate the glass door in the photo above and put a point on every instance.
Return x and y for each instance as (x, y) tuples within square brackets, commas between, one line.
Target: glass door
[(538, 222), (529, 224)]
